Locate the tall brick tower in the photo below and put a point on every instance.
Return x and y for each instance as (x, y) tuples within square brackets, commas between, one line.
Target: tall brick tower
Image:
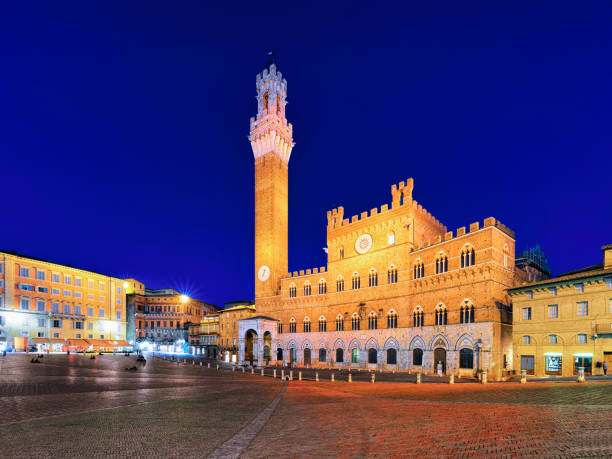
[(272, 141)]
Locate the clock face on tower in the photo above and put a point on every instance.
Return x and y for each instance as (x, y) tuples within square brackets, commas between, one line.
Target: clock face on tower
[(363, 243), (263, 273)]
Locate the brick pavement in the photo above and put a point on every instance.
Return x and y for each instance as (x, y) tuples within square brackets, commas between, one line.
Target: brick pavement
[(337, 419)]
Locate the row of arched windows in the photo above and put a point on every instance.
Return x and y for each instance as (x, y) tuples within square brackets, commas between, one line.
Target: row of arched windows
[(466, 315)]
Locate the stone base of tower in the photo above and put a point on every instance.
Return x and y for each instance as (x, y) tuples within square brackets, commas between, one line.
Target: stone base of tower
[(257, 340)]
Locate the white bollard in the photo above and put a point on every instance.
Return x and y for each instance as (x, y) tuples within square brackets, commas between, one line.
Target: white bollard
[(484, 377), (350, 378), (233, 368), (316, 376), (418, 381), (217, 367), (200, 363), (274, 374), (243, 369), (252, 370), (208, 364), (451, 379), (373, 377), (523, 376), (262, 372), (290, 375), (283, 375), (332, 377), (299, 375)]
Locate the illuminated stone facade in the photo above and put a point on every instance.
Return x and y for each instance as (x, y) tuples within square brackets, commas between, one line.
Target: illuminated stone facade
[(53, 307), (565, 322), (399, 290)]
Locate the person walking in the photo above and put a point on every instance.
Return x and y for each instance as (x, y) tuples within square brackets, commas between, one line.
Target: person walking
[(605, 368)]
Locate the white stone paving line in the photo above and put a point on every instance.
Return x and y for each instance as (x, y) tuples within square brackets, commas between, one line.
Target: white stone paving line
[(236, 445)]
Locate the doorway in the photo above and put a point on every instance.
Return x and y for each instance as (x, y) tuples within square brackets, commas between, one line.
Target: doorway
[(440, 357), (307, 356), (250, 348)]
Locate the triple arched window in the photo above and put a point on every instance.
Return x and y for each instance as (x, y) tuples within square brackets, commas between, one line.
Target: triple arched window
[(355, 322), (417, 317), (307, 288), (339, 323), (441, 315), (322, 287), (356, 281), (373, 278), (306, 325), (340, 284), (391, 319), (466, 313), (468, 256), (322, 324), (292, 325), (372, 321), (292, 291), (419, 270), (441, 264), (392, 275)]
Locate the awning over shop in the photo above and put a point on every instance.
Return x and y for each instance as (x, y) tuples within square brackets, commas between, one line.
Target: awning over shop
[(41, 340), (58, 341), (77, 343), (121, 343), (107, 343)]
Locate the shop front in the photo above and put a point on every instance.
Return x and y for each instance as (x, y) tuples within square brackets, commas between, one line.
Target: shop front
[(76, 345), (553, 363), (585, 360), (42, 344)]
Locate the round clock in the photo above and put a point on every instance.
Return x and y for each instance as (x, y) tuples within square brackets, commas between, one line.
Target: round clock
[(263, 273), (363, 243)]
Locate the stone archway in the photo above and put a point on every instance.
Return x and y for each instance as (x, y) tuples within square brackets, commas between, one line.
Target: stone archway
[(250, 346), (307, 356), (440, 357)]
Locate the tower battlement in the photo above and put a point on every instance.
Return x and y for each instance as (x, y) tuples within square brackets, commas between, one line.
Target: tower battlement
[(270, 132)]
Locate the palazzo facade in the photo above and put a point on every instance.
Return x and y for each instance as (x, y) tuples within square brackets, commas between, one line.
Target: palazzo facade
[(400, 291)]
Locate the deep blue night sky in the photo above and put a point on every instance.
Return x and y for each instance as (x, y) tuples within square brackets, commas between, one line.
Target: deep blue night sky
[(123, 127)]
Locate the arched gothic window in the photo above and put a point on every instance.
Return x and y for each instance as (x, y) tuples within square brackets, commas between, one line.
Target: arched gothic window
[(322, 287), (419, 269), (466, 358), (505, 255), (339, 355), (306, 325), (373, 278), (279, 327), (417, 316), (322, 355), (307, 288), (292, 325), (417, 357), (391, 356), (292, 290), (265, 101), (355, 322), (466, 313), (356, 281), (339, 284), (322, 324), (441, 315), (391, 319), (372, 321), (372, 355), (339, 323), (279, 104), (468, 256), (441, 263), (392, 275)]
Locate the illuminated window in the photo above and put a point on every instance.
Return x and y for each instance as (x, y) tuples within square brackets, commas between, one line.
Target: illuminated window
[(441, 263), (417, 317), (355, 322), (356, 280), (340, 284), (441, 315), (373, 278), (526, 313), (392, 275), (391, 319), (391, 238), (372, 321), (265, 101), (322, 287), (355, 356)]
